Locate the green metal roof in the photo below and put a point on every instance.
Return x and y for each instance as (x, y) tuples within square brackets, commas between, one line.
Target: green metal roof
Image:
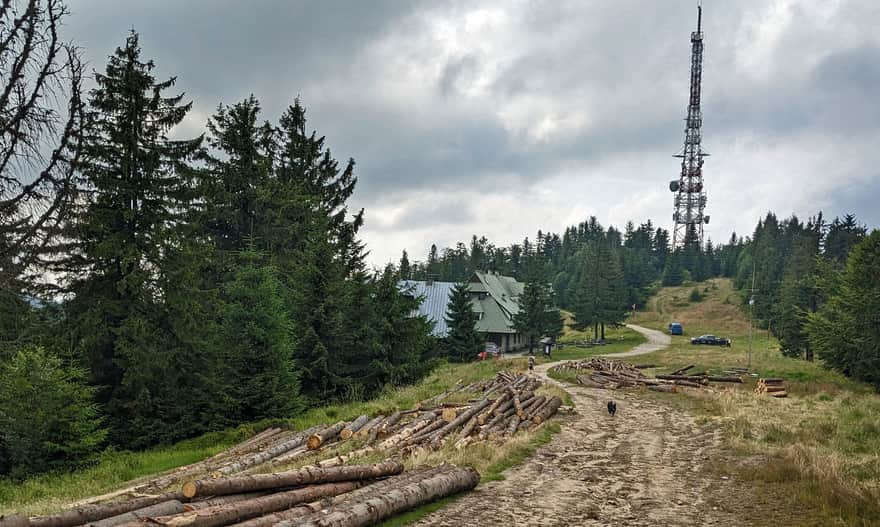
[(500, 304)]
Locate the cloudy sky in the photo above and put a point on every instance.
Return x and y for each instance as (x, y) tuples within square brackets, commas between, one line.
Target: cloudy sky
[(504, 117)]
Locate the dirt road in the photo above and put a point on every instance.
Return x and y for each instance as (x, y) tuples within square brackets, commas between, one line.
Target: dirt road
[(657, 340), (642, 467)]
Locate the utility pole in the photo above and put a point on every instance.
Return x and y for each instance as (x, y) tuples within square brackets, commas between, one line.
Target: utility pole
[(751, 315)]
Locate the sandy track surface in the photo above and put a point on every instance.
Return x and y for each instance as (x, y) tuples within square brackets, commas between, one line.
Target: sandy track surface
[(657, 340), (643, 467)]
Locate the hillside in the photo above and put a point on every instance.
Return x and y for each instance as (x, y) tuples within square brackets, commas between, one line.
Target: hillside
[(817, 452)]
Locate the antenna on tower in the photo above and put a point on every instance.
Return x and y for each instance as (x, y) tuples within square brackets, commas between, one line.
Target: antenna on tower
[(690, 198)]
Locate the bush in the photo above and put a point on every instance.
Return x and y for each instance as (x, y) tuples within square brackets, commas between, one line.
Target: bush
[(695, 295), (47, 414)]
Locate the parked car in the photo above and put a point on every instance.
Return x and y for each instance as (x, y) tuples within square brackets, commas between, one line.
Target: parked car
[(675, 328), (711, 340), (490, 351)]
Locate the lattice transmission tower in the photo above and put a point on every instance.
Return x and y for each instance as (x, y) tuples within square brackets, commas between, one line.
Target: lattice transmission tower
[(690, 196)]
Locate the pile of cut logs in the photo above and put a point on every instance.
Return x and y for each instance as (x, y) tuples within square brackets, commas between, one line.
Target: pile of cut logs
[(492, 410), (514, 406), (348, 496), (772, 386), (612, 374)]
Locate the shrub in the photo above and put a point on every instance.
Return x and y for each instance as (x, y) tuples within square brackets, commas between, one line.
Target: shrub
[(47, 414), (695, 295)]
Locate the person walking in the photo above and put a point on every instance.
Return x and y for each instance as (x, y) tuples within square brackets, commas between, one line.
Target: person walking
[(531, 361)]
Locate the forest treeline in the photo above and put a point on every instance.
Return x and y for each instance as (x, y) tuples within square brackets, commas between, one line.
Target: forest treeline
[(178, 284), (815, 283)]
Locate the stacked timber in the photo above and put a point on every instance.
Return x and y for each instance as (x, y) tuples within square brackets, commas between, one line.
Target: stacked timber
[(351, 495), (600, 372), (772, 386), (247, 482)]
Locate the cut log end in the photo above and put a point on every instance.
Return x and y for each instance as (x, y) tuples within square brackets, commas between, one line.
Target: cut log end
[(314, 442), (346, 433), (449, 414), (190, 489)]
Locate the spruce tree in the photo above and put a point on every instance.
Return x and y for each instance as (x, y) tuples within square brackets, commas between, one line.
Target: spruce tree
[(535, 310), (257, 342), (47, 413), (673, 273), (116, 242), (845, 332), (463, 343)]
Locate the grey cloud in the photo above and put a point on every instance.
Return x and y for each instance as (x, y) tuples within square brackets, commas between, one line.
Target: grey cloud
[(623, 66)]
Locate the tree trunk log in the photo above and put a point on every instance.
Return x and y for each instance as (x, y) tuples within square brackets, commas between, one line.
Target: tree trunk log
[(160, 509), (274, 451), (303, 476), (517, 404), (514, 423), (93, 513), (367, 428), (548, 410), (353, 427), (682, 370), (319, 438), (223, 500), (14, 520), (369, 511), (449, 414), (243, 510), (460, 420), (533, 407)]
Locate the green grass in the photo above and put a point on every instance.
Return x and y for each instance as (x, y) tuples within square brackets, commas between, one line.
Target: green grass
[(50, 492), (619, 339)]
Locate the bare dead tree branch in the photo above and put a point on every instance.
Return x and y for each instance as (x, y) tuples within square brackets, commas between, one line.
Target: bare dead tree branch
[(41, 120)]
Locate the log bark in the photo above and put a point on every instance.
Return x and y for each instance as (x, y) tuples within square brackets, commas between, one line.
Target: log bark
[(376, 508), (667, 388), (460, 420), (503, 398), (513, 425), (548, 410), (682, 370), (223, 500), (319, 438), (243, 510), (303, 476), (389, 423), (717, 378), (367, 428), (272, 452), (93, 513), (13, 520), (160, 509), (533, 407), (517, 404), (353, 427)]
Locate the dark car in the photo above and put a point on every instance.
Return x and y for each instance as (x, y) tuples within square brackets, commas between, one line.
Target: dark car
[(711, 340)]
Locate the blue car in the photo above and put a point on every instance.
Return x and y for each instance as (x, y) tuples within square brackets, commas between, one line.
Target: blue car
[(675, 328)]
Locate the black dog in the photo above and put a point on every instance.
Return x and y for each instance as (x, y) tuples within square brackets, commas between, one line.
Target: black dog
[(612, 408)]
